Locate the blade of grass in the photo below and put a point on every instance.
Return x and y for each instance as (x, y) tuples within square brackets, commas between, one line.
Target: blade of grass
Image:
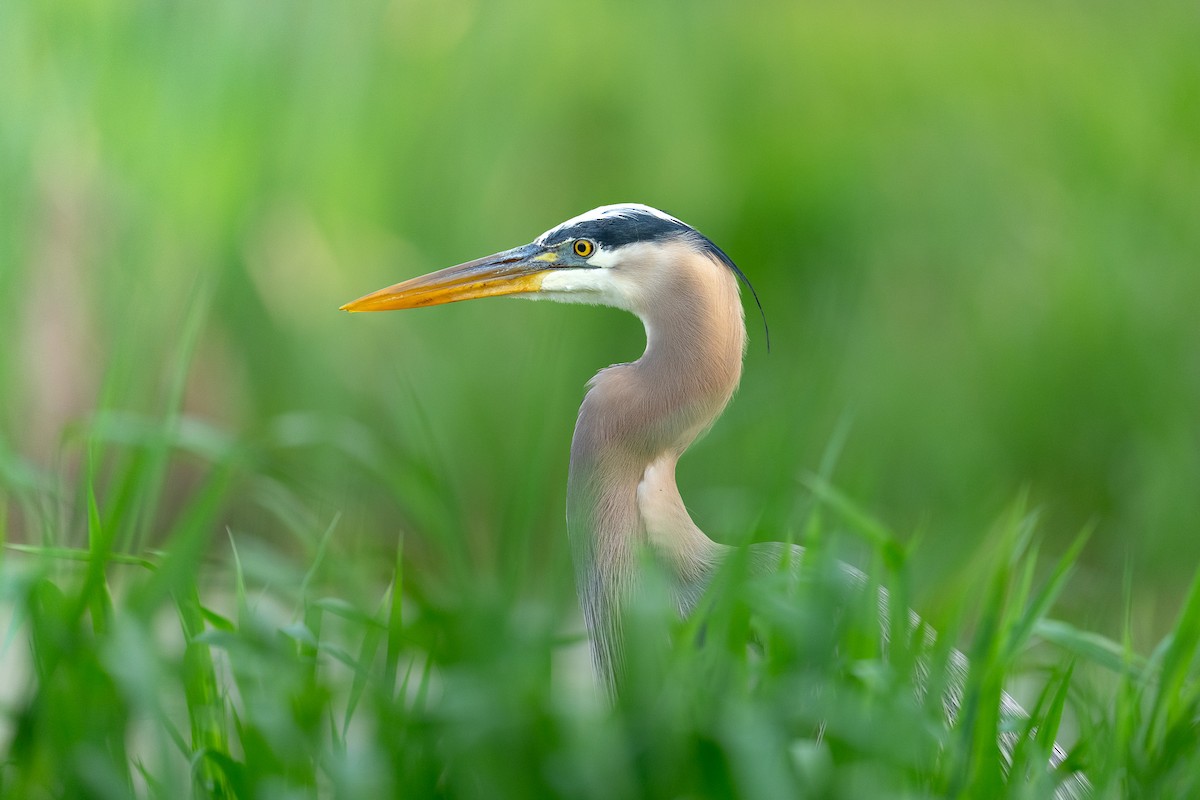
[(202, 694), (1176, 664), (185, 548), (372, 636), (79, 554), (94, 594), (395, 622), (1092, 647), (319, 557), (1036, 610)]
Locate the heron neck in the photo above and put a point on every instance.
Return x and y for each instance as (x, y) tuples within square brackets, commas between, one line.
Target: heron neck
[(635, 422)]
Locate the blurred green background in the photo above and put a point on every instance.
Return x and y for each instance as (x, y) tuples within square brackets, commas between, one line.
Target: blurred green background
[(975, 231)]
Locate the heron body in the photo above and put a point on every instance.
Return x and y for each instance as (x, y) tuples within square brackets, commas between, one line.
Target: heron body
[(637, 419)]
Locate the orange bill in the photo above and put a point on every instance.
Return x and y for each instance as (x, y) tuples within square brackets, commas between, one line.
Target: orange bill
[(516, 271)]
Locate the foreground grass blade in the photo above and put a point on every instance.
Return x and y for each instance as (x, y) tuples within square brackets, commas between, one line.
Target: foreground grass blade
[(1167, 711)]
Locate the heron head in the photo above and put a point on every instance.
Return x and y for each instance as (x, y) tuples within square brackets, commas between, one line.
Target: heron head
[(613, 255)]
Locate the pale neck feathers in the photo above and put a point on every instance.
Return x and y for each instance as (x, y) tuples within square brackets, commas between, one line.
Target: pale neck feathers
[(635, 422)]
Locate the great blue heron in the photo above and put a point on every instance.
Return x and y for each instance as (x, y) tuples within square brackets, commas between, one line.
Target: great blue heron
[(637, 419)]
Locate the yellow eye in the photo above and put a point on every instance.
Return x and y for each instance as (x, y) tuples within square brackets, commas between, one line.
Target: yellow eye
[(584, 247)]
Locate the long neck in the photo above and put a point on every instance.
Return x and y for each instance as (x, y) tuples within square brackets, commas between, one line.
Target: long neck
[(635, 422)]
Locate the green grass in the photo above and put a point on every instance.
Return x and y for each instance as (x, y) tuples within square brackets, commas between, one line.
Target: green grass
[(260, 673), (258, 548)]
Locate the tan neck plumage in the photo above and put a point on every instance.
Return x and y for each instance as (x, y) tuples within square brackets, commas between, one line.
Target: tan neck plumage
[(635, 422)]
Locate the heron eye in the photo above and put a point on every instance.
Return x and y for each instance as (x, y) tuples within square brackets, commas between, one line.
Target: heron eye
[(584, 247)]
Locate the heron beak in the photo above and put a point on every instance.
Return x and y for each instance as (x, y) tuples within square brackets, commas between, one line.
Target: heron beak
[(516, 271)]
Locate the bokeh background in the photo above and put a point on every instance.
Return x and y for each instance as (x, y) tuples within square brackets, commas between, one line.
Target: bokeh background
[(975, 231)]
